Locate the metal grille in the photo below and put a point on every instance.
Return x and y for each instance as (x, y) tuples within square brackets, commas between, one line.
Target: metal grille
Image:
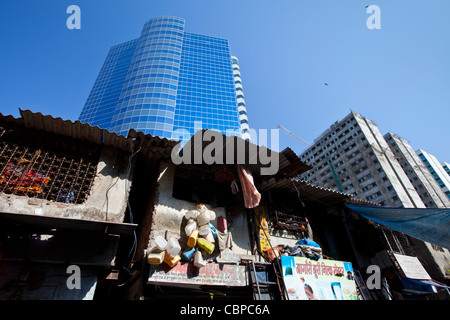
[(39, 171), (398, 242)]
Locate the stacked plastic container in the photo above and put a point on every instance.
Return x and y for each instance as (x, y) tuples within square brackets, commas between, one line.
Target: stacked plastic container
[(201, 238)]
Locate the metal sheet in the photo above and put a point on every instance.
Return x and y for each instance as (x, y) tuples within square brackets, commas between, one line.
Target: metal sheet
[(150, 145), (310, 191), (289, 163), (76, 130)]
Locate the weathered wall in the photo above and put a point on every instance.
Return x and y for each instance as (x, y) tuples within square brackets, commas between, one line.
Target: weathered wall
[(435, 262), (107, 201)]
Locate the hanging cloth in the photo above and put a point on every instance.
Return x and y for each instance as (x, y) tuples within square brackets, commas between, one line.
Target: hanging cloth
[(251, 195), (225, 240)]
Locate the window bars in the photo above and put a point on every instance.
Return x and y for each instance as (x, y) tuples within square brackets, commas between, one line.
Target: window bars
[(46, 172)]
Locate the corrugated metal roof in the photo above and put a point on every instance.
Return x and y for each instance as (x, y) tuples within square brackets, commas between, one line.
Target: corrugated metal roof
[(76, 130), (290, 164), (151, 145), (85, 132), (310, 191)]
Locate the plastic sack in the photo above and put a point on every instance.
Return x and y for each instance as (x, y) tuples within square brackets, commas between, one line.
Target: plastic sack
[(307, 242)]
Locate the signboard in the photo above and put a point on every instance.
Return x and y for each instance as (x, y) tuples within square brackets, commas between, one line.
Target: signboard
[(411, 267), (307, 279), (212, 274), (263, 231)]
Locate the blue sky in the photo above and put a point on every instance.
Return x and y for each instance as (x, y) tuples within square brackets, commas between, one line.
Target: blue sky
[(398, 76)]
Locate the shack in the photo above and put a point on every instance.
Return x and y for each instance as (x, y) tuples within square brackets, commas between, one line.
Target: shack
[(64, 190), (245, 265), (114, 217)]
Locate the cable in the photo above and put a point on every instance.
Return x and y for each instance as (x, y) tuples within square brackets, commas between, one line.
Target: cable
[(107, 200), (298, 193), (133, 154), (314, 199), (134, 246)]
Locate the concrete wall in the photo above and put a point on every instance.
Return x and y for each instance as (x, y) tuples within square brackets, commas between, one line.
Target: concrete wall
[(107, 201), (421, 178), (436, 262), (397, 177)]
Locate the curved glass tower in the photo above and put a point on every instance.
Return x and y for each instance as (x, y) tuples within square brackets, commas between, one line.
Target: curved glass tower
[(166, 80), (243, 118)]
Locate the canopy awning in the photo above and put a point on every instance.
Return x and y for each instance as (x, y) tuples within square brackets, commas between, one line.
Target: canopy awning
[(428, 224)]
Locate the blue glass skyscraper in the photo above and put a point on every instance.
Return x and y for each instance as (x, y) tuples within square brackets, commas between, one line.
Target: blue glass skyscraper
[(165, 80)]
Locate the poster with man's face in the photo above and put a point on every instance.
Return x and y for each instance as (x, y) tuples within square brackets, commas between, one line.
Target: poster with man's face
[(307, 279)]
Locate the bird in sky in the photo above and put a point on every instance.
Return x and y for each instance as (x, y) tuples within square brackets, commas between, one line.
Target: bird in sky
[(326, 83)]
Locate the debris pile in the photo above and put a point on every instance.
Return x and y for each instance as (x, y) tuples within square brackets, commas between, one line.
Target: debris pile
[(303, 248)]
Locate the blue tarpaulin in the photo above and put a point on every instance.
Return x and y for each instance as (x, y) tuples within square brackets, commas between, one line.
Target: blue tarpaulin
[(428, 224)]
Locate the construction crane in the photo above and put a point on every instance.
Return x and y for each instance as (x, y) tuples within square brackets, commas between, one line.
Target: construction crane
[(294, 136), (330, 163)]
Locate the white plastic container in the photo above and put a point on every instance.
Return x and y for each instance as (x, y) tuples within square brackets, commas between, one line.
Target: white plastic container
[(201, 208), (203, 218), (204, 230), (212, 215), (210, 237), (199, 262), (191, 226), (209, 213), (173, 247), (161, 243), (191, 214)]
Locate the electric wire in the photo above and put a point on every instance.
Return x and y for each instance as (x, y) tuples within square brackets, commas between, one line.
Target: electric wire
[(134, 246)]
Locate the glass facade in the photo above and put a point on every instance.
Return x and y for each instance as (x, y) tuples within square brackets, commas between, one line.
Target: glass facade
[(166, 80)]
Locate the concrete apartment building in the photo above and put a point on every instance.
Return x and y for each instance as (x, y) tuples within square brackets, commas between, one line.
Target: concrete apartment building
[(446, 167), (352, 156), (428, 188), (438, 171)]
